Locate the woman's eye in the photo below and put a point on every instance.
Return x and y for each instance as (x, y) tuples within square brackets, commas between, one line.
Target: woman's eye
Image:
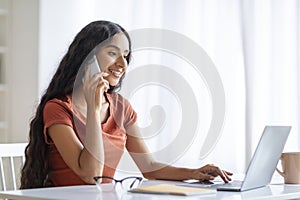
[(112, 53)]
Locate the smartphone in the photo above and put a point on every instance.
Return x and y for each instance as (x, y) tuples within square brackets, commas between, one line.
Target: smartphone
[(94, 66)]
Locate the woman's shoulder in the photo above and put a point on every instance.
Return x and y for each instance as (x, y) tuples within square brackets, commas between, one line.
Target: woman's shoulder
[(123, 112), (58, 111), (59, 102), (119, 103)]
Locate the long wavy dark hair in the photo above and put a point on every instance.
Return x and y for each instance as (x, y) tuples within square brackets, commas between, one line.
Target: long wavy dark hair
[(35, 170)]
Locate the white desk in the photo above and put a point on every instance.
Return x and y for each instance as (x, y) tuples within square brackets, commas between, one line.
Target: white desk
[(90, 192)]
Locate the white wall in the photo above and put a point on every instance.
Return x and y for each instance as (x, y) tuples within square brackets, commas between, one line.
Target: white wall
[(59, 21), (23, 70)]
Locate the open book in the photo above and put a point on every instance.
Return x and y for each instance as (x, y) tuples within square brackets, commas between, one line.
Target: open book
[(173, 189)]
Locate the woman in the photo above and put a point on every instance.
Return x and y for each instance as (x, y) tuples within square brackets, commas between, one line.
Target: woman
[(82, 125)]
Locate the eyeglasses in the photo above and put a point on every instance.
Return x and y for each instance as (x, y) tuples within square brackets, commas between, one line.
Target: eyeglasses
[(106, 183)]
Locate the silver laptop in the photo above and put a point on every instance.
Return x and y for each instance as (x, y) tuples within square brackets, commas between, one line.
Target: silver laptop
[(262, 165)]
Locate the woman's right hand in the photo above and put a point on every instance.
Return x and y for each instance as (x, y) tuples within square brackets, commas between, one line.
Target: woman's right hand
[(210, 171), (94, 88)]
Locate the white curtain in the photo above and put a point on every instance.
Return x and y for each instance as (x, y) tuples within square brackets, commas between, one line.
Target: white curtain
[(253, 44), (216, 27), (271, 51)]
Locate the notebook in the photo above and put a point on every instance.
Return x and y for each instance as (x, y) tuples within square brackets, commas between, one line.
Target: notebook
[(262, 165), (173, 190)]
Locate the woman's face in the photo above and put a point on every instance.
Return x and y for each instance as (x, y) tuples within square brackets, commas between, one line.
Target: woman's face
[(112, 58)]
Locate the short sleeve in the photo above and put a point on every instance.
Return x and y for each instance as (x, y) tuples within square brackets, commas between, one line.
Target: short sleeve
[(55, 113), (130, 115)]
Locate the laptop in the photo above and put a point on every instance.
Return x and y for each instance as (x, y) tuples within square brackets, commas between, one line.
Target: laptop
[(262, 165)]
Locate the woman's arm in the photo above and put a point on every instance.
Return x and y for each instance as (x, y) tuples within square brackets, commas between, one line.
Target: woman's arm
[(86, 160), (154, 170), (74, 153)]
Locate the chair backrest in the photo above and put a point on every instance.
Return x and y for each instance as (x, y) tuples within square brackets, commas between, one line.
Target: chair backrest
[(12, 159)]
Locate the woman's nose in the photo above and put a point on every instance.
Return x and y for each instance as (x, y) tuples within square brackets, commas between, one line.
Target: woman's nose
[(121, 62)]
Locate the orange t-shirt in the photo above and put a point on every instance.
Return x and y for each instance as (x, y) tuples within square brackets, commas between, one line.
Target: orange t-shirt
[(58, 111)]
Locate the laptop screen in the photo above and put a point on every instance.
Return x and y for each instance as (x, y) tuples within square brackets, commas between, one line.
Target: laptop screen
[(266, 156)]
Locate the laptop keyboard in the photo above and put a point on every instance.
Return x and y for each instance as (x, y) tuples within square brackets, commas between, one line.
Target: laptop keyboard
[(211, 184), (235, 184)]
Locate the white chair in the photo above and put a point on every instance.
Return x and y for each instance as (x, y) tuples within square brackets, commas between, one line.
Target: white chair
[(12, 159)]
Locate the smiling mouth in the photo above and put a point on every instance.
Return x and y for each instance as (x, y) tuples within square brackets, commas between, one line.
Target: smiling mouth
[(116, 73)]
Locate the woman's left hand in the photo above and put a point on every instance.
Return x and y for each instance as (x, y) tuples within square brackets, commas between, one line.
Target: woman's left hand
[(209, 172)]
